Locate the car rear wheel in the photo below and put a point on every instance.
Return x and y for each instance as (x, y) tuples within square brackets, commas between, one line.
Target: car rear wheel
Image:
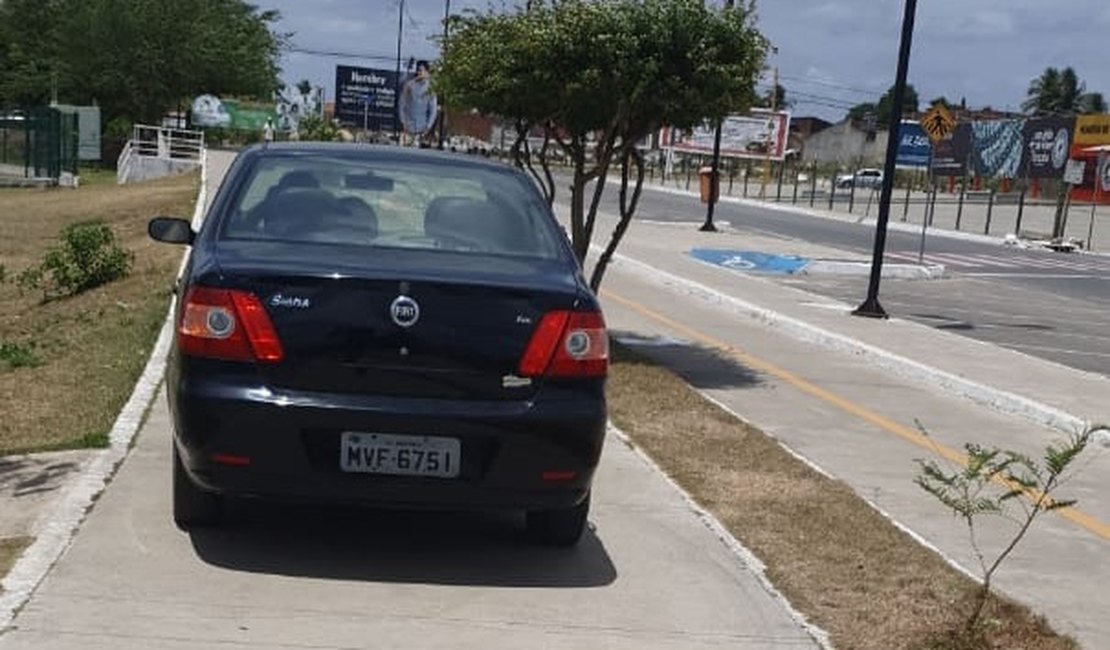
[(192, 506), (560, 527)]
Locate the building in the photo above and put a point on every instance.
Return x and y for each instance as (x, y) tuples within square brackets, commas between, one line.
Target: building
[(845, 143)]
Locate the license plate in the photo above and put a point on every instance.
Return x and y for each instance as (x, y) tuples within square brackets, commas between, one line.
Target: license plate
[(386, 453)]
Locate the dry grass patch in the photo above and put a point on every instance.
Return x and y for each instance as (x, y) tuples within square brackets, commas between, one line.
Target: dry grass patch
[(10, 549), (851, 571), (80, 356)]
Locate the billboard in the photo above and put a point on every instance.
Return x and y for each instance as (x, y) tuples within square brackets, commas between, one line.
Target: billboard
[(211, 111), (950, 156), (1092, 130), (996, 150), (914, 147), (366, 97), (1046, 142), (742, 136)]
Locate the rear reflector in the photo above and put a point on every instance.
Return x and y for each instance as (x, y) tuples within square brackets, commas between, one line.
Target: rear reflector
[(231, 459), (225, 324), (558, 477), (567, 344)]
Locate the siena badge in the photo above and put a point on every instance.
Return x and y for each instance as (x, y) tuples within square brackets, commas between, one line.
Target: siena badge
[(404, 311)]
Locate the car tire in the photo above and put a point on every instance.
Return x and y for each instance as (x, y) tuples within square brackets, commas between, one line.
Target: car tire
[(192, 506), (558, 527)]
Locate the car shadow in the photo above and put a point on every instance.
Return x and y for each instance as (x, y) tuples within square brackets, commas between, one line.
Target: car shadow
[(702, 367), (441, 548)]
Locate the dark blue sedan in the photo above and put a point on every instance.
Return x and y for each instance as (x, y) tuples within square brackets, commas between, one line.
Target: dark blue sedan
[(384, 326)]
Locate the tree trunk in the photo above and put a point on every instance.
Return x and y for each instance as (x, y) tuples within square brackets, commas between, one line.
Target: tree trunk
[(629, 157), (579, 239)]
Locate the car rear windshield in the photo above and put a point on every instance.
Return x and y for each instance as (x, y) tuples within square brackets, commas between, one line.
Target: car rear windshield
[(391, 203)]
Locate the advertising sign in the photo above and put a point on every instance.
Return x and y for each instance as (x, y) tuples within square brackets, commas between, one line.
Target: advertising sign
[(950, 156), (211, 111), (1045, 145), (742, 136), (366, 97), (914, 146), (996, 150), (1092, 130)]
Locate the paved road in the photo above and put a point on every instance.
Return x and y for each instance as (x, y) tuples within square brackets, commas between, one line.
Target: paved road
[(649, 573), (1052, 305)]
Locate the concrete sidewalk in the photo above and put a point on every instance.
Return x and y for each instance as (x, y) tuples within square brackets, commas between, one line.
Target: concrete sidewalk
[(847, 393), (649, 574)]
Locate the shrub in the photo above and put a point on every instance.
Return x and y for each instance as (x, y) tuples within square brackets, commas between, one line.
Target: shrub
[(16, 355), (87, 256)]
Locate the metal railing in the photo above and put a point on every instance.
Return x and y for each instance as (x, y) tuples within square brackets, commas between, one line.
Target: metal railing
[(178, 145)]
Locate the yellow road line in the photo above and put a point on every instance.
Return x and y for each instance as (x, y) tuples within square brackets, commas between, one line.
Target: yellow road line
[(906, 433)]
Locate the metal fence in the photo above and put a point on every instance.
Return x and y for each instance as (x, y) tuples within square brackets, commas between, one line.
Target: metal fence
[(38, 143), (986, 208)]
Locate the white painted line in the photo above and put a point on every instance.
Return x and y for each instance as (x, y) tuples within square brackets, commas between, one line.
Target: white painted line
[(1033, 276), (1045, 348), (55, 532), (820, 470), (748, 559)]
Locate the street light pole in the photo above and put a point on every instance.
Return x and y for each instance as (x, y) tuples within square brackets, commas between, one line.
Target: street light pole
[(770, 131), (443, 107), (871, 307), (397, 82), (714, 180)]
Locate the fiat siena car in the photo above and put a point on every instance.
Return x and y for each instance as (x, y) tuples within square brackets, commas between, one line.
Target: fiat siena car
[(384, 326)]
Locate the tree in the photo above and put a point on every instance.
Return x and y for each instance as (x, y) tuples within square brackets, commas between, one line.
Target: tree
[(880, 112), (780, 101), (29, 43), (909, 105), (1061, 92), (135, 58), (598, 77)]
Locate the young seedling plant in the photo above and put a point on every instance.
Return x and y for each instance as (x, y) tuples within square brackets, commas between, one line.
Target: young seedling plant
[(1001, 482)]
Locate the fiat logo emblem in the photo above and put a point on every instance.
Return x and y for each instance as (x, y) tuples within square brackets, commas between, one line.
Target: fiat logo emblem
[(404, 311)]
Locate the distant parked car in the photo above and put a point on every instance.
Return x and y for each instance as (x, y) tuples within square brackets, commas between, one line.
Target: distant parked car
[(863, 178)]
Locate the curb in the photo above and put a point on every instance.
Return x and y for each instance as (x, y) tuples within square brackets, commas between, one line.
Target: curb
[(748, 559), (54, 535), (891, 271), (996, 399)]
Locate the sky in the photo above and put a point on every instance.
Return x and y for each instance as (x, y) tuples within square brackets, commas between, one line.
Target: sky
[(831, 54)]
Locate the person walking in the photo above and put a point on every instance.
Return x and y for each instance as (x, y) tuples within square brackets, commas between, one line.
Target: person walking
[(268, 130)]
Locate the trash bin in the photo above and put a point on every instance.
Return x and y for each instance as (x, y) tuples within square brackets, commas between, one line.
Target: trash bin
[(705, 174)]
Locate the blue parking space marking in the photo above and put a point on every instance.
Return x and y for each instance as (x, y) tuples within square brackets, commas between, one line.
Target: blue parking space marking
[(750, 261)]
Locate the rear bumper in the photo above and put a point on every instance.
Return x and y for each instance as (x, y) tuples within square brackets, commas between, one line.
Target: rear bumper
[(292, 442)]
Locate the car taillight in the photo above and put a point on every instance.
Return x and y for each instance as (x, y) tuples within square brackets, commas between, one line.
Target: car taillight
[(226, 324), (567, 344)]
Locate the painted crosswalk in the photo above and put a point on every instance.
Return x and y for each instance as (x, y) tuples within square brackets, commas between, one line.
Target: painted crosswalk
[(1024, 261)]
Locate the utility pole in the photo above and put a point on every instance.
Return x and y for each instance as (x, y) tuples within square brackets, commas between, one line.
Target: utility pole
[(871, 307), (443, 107), (715, 165), (771, 131), (397, 83)]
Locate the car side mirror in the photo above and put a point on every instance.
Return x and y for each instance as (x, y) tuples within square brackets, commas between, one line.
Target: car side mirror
[(171, 230)]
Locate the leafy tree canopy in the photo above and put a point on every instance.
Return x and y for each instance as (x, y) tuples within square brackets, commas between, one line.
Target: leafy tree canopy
[(1061, 92), (600, 75), (135, 58)]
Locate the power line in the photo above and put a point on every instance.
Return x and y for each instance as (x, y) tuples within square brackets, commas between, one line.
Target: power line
[(854, 89), (342, 55)]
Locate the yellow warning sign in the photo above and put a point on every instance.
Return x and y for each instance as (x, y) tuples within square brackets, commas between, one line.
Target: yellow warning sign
[(938, 123)]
